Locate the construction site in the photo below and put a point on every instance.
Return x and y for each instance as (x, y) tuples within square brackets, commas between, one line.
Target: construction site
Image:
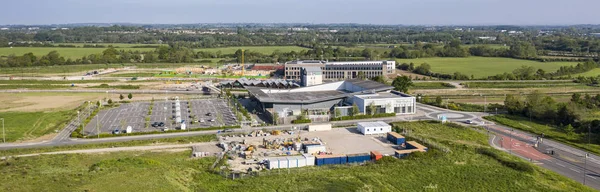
[(315, 145)]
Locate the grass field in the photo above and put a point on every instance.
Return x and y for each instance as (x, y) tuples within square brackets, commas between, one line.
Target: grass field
[(432, 85), (482, 66), (116, 45), (514, 84), (466, 168), (523, 123), (31, 125), (35, 71), (260, 49), (592, 73), (67, 52), (46, 82)]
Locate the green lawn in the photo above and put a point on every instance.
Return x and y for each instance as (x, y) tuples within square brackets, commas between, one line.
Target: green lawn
[(482, 66), (592, 73), (523, 123), (116, 45), (30, 125), (470, 166), (260, 49), (432, 85), (67, 52), (514, 84), (33, 71)]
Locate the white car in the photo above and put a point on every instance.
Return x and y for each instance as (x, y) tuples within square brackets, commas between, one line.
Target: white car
[(201, 121), (212, 120)]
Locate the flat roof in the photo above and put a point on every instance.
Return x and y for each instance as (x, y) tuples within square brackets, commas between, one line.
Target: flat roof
[(415, 144), (295, 97), (397, 135), (373, 124), (382, 95)]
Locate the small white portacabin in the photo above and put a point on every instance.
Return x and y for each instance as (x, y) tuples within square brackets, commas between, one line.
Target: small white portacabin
[(371, 128)]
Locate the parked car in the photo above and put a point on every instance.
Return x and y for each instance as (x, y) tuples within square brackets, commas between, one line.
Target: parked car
[(116, 131), (469, 122), (208, 114), (161, 124), (212, 120), (201, 121)]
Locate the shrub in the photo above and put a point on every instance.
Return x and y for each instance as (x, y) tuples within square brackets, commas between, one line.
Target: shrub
[(300, 121), (516, 165)]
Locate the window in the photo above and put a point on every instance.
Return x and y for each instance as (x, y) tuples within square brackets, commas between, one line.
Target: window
[(367, 130)]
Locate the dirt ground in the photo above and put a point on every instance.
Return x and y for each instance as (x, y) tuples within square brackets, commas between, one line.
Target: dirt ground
[(31, 102), (406, 73)]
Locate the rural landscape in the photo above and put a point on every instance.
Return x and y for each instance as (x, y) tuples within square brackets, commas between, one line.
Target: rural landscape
[(264, 105)]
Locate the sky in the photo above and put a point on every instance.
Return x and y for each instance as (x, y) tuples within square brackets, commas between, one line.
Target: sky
[(405, 12)]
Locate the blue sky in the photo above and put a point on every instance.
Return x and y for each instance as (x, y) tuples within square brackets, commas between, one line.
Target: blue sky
[(408, 12)]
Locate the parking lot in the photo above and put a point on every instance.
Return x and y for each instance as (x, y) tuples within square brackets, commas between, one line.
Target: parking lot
[(134, 115)]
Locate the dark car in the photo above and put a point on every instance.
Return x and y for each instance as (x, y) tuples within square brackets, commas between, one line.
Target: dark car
[(227, 130), (208, 114), (161, 124)]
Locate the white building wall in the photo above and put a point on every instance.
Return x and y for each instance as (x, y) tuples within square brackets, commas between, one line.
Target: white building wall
[(370, 130), (387, 103)]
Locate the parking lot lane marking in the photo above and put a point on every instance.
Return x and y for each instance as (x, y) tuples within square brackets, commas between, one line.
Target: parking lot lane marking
[(575, 170)]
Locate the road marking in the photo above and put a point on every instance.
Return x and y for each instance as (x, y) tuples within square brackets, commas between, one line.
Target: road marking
[(591, 177), (561, 165), (575, 170)]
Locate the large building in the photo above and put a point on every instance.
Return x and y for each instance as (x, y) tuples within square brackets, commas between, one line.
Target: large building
[(319, 102), (311, 76), (340, 70)]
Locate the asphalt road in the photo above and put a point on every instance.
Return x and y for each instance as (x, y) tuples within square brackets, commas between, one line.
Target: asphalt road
[(566, 160)]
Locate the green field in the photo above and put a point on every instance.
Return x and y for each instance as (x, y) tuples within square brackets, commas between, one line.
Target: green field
[(470, 166), (432, 85), (482, 66), (592, 73), (116, 45), (67, 52), (35, 71), (260, 49), (513, 84), (30, 125)]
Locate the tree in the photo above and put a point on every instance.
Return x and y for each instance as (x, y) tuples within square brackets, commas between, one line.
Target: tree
[(275, 118), (438, 100), (423, 69), (380, 79), (402, 84), (569, 129), (110, 101), (372, 108), (98, 103), (337, 112), (361, 75), (121, 97), (355, 110), (130, 96)]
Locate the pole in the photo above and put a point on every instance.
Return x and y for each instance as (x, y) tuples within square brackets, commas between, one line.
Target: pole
[(510, 142), (3, 133), (586, 155), (484, 104)]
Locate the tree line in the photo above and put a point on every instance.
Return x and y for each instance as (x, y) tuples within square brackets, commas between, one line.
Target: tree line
[(545, 109)]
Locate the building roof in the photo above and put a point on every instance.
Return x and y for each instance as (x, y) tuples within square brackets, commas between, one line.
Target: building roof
[(382, 95), (317, 93), (312, 69), (373, 124)]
